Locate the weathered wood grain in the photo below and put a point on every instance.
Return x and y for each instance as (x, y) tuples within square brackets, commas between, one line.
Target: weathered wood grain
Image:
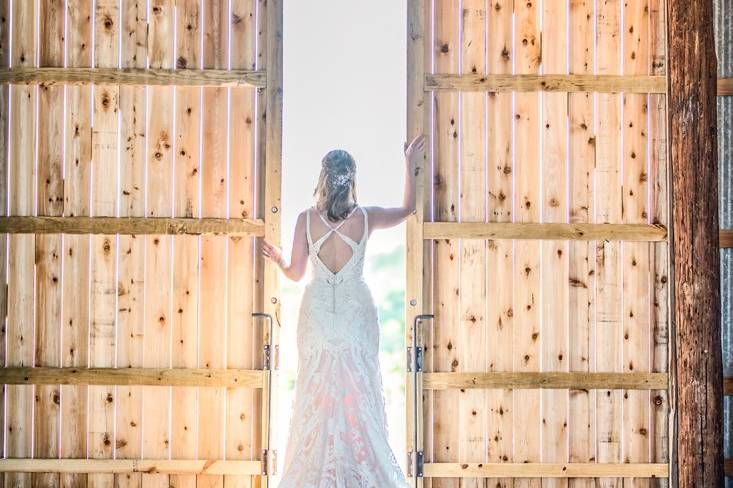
[(545, 231), (582, 269), (49, 76), (543, 380), (131, 249), (149, 467), (21, 249), (186, 258), (446, 435), (528, 82), (500, 253), (77, 201), (241, 349), (229, 378), (696, 283), (547, 470), (50, 201), (130, 225)]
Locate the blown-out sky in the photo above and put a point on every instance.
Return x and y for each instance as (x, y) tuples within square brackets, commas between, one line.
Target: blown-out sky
[(344, 87)]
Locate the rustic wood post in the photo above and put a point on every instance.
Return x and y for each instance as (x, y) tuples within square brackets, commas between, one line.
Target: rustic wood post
[(693, 152)]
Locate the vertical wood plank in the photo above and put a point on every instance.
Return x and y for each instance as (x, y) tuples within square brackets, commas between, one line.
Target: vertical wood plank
[(608, 254), (581, 273), (260, 276), (636, 256), (659, 178), (471, 333), (48, 247), (446, 341), (103, 306), (240, 347), (213, 304), (418, 252), (186, 203), (500, 334), (4, 167), (272, 192), (22, 167), (158, 248), (77, 199), (554, 254), (131, 248), (527, 306)]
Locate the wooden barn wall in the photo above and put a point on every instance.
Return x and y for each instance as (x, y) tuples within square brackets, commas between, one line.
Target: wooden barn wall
[(153, 301), (524, 305), (724, 49)]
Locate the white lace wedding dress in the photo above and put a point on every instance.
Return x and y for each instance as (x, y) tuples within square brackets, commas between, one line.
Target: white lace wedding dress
[(338, 430)]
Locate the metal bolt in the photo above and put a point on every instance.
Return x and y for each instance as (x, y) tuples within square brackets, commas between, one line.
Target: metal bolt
[(413, 302), (273, 299), (274, 209)]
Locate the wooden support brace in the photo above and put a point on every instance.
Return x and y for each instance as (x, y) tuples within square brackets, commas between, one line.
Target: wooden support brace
[(725, 87), (726, 238), (546, 470), (554, 83), (130, 225), (573, 232), (229, 378), (557, 380), (133, 76), (157, 466)]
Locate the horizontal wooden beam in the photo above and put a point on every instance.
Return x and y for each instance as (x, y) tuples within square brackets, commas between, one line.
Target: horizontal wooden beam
[(133, 76), (728, 467), (557, 83), (728, 386), (726, 238), (161, 466), (130, 225), (545, 470), (229, 378), (725, 87), (576, 232), (555, 380)]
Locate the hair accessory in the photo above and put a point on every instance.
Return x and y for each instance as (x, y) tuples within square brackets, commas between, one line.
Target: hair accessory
[(342, 179)]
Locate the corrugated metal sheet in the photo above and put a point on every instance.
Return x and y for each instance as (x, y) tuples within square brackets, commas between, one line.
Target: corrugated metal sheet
[(724, 47)]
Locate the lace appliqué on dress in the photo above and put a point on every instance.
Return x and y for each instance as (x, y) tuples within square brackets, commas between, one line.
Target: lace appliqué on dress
[(338, 434)]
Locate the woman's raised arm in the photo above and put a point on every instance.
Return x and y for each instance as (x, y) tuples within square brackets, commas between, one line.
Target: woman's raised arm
[(385, 217)]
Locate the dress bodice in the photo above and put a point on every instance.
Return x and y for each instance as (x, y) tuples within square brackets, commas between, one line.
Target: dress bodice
[(353, 268)]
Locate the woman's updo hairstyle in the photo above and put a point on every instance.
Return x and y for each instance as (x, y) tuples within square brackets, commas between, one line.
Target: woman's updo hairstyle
[(336, 189)]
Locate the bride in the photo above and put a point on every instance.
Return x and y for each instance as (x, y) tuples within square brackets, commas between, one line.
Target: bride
[(338, 431)]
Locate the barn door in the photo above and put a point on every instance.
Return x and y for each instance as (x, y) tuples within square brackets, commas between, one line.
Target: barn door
[(539, 248), (141, 163)]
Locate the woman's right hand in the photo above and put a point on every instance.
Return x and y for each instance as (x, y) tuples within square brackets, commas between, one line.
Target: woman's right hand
[(414, 151)]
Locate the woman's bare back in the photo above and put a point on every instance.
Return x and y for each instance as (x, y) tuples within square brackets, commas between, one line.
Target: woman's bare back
[(335, 252)]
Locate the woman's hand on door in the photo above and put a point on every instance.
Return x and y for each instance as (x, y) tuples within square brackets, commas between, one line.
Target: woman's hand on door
[(272, 252)]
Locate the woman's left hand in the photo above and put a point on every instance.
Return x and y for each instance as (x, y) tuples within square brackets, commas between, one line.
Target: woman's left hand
[(272, 252)]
